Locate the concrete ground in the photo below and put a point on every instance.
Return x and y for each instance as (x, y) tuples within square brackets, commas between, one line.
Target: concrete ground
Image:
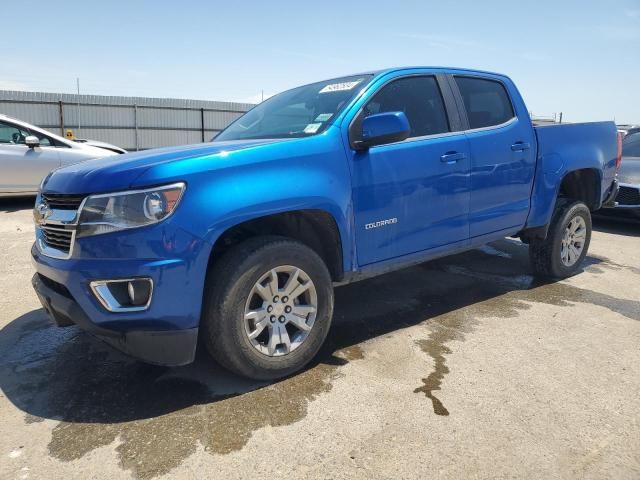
[(465, 367)]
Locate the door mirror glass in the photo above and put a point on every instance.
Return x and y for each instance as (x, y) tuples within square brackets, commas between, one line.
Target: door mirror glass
[(32, 141), (381, 128)]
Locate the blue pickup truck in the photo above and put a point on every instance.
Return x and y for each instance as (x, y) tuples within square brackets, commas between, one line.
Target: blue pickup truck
[(237, 244)]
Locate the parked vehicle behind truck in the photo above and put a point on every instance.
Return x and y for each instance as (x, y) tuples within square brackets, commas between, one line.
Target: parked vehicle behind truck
[(28, 153), (627, 202), (241, 241)]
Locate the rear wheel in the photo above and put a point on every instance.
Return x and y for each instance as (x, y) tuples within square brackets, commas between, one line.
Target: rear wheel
[(561, 254), (268, 307)]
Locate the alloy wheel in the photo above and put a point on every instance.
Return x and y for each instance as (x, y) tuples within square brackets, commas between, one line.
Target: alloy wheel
[(280, 310), (573, 240)]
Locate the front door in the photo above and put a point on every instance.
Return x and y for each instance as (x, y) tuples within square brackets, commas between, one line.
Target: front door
[(412, 195)]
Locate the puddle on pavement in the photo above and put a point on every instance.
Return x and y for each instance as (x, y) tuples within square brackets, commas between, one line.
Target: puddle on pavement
[(353, 352), (598, 264), (158, 417), (513, 292), (220, 424)]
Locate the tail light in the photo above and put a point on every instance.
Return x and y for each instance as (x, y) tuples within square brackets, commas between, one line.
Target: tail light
[(619, 153)]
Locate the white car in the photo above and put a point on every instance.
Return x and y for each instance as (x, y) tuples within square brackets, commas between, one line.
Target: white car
[(29, 153), (96, 143)]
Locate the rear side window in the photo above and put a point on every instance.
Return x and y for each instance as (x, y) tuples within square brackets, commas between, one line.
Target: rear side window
[(418, 97), (486, 101)]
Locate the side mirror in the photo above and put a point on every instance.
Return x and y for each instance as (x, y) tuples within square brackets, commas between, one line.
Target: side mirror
[(32, 141), (381, 128)]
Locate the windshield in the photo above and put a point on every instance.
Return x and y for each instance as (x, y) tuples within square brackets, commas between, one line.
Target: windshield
[(299, 112)]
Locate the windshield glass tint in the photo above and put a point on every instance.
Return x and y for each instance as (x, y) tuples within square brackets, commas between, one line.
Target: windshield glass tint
[(300, 112)]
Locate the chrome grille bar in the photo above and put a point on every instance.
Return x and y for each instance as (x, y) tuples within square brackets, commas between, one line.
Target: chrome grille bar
[(57, 218)]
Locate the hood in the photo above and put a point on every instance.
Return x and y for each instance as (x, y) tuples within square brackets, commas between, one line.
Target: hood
[(119, 172), (100, 145), (629, 170)]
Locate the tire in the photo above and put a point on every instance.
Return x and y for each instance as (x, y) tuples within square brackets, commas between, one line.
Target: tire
[(547, 255), (232, 289)]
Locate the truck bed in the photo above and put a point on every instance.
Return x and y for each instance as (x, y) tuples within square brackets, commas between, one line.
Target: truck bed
[(566, 144), (564, 148)]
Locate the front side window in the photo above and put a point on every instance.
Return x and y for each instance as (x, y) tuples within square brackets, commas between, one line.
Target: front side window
[(418, 97), (486, 101), (44, 140), (11, 134), (301, 112), (631, 145)]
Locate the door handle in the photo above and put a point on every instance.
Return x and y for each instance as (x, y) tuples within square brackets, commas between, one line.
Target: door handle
[(520, 146), (452, 157)]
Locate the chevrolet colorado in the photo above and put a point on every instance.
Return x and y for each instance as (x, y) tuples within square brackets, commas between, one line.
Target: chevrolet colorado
[(239, 242)]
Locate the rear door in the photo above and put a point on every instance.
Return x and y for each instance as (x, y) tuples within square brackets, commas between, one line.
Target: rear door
[(412, 195), (23, 168), (502, 146)]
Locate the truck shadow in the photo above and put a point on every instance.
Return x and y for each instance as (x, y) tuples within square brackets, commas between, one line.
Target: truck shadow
[(627, 226), (15, 204), (99, 395)]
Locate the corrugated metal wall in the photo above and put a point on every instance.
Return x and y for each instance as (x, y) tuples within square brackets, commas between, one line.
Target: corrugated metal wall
[(133, 123)]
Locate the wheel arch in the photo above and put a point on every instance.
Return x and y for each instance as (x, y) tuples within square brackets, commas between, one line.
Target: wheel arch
[(316, 228), (583, 184)]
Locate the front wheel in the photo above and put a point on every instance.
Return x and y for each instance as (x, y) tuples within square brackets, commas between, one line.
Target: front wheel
[(268, 308), (561, 254)]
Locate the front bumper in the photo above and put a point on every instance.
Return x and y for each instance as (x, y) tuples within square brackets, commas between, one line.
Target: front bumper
[(625, 201), (164, 332), (164, 347)]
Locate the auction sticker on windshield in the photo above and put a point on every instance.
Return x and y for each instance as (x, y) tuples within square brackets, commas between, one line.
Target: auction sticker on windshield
[(312, 128), (339, 87)]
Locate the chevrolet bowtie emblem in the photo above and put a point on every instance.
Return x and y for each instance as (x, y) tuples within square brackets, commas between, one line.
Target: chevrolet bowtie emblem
[(43, 212)]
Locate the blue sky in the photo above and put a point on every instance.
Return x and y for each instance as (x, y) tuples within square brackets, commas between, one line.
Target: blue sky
[(579, 57)]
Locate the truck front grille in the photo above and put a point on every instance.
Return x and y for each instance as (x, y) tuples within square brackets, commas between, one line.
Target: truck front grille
[(57, 238), (62, 201), (628, 196)]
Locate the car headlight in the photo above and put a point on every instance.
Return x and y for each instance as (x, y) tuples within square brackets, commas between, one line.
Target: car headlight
[(123, 210)]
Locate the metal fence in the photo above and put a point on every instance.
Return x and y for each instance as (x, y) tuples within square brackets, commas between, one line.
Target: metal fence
[(133, 123)]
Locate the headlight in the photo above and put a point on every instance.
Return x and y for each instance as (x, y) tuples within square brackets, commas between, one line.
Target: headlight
[(119, 211)]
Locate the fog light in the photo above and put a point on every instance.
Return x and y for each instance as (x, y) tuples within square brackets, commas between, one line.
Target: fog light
[(124, 295), (139, 292)]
